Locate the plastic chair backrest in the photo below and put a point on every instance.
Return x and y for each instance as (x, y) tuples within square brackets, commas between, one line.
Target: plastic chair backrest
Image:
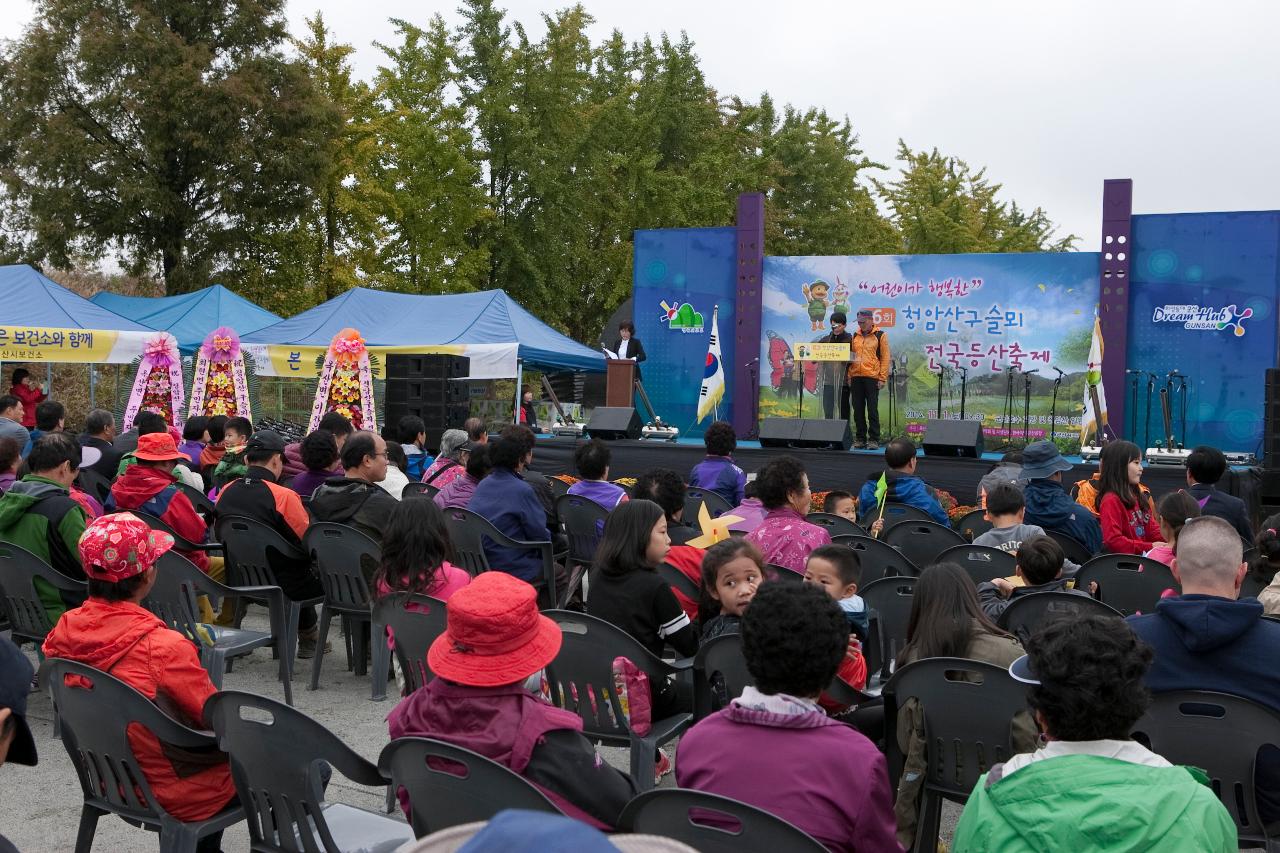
[(894, 513), (95, 710), (558, 487), (713, 824), (891, 599), (723, 655), (18, 570), (251, 546), (199, 500), (693, 497), (1129, 583), (878, 559), (413, 489), (173, 596), (837, 525), (468, 531), (1251, 586), (1026, 613), (581, 676), (159, 524), (338, 553), (1072, 548), (982, 563), (922, 541), (94, 483), (1221, 735), (448, 785), (972, 525), (968, 709), (276, 755), (781, 574), (415, 621), (583, 521), (679, 580)]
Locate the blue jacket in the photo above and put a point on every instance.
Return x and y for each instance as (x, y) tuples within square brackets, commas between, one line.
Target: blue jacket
[(1049, 506), (509, 503), (718, 474), (903, 489)]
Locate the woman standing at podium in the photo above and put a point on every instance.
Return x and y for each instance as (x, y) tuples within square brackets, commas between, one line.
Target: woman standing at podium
[(628, 345)]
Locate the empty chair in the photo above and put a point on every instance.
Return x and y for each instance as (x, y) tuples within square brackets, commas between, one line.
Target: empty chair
[(415, 622), (713, 824), (468, 532), (889, 599), (1073, 549), (19, 569), (972, 525), (276, 754), (878, 559), (1129, 583), (695, 497), (894, 513), (581, 678), (837, 525), (447, 785), (583, 521), (344, 558), (921, 541), (980, 562), (1221, 735), (722, 658), (95, 711), (968, 709), (1026, 613)]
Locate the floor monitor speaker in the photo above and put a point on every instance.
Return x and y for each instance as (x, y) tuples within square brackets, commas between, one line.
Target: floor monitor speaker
[(815, 433), (953, 438), (614, 422)]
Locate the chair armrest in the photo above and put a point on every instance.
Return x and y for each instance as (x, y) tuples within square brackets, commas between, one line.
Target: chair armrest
[(681, 664)]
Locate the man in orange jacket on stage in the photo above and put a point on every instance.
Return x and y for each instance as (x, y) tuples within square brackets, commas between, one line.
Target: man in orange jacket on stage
[(867, 375)]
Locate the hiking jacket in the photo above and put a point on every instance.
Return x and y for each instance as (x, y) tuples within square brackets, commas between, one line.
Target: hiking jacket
[(870, 356), (42, 517), (903, 489), (356, 503), (154, 492), (719, 474), (1049, 506), (1128, 529)]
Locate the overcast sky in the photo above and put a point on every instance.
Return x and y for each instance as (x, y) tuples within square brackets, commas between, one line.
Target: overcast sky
[(1183, 97)]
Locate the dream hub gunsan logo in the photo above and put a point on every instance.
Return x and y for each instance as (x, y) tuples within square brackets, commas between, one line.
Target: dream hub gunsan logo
[(1204, 317)]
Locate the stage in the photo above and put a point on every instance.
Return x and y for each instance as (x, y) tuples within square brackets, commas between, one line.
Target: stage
[(848, 470)]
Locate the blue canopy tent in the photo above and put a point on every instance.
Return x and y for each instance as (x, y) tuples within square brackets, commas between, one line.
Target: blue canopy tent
[(488, 326), (190, 317), (29, 299)]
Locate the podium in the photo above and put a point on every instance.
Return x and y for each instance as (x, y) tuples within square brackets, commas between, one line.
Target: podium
[(619, 382)]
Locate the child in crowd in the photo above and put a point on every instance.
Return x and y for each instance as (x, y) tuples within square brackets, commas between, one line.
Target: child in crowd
[(1039, 564), (841, 503), (213, 449), (195, 435), (592, 461), (732, 570), (717, 473), (1127, 514), (1005, 510), (774, 748), (231, 466), (836, 570), (751, 510), (1176, 509)]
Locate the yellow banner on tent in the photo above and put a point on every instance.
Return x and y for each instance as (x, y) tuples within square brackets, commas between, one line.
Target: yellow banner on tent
[(489, 360), (32, 343)]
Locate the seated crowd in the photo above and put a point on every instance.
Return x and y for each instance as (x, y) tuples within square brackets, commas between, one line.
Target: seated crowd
[(1075, 779)]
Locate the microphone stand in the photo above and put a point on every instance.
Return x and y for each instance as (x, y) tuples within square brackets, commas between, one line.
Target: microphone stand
[(1007, 414), (1026, 409), (964, 381), (942, 371), (1151, 387), (1182, 414), (893, 376), (1053, 408), (1137, 376)]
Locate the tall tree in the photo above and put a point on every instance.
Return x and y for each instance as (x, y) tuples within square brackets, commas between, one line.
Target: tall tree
[(169, 130)]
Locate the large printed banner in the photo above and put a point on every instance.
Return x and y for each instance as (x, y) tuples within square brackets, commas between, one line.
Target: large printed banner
[(83, 346), (947, 315), (488, 361), (680, 277)]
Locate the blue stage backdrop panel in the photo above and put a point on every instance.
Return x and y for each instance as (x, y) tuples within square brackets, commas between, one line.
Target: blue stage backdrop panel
[(980, 312), (680, 276), (1203, 302)]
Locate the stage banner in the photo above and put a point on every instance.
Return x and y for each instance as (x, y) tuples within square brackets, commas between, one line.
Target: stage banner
[(1203, 303), (680, 276), (943, 315)]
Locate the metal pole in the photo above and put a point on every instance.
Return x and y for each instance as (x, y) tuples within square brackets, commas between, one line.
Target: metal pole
[(93, 386), (519, 390)]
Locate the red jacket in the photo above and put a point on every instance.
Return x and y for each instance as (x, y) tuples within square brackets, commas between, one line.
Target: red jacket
[(155, 493), (30, 397), (1128, 529), (133, 645), (688, 560)]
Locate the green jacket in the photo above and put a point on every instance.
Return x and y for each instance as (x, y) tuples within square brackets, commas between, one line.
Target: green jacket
[(40, 516), (230, 467), (1086, 802)]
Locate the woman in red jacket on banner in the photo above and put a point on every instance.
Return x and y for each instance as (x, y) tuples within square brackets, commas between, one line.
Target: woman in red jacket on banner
[(28, 390), (1130, 524)]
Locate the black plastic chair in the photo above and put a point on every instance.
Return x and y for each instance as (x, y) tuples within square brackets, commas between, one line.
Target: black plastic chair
[(414, 489), (781, 574), (448, 785), (710, 823), (276, 755), (695, 497), (251, 548), (894, 514), (94, 483), (1072, 548), (581, 678), (339, 554), (1026, 613), (721, 656), (982, 563), (972, 524), (558, 487), (921, 541), (583, 521), (468, 532), (1251, 586), (1129, 583), (968, 709), (890, 600), (95, 712), (199, 500), (681, 582), (878, 560), (19, 569), (837, 525), (173, 599), (179, 542), (414, 630), (1221, 735)]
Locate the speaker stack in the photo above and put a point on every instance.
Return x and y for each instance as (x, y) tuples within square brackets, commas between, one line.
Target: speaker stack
[(815, 433), (1270, 487), (433, 387)]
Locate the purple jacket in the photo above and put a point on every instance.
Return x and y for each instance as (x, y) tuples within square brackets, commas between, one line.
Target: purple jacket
[(193, 449), (307, 482), (752, 513), (458, 493), (606, 494), (824, 776), (718, 474)]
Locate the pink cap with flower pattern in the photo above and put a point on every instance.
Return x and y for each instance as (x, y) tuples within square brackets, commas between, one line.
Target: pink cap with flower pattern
[(118, 546)]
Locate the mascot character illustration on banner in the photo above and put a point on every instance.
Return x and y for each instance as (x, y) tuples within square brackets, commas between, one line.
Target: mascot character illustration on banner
[(158, 384), (816, 295), (346, 383), (224, 382), (840, 299)]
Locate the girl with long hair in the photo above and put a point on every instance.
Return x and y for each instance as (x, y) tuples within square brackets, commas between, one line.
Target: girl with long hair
[(1129, 521), (416, 552)]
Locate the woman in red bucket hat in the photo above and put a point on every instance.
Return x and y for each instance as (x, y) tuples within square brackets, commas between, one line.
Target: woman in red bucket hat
[(496, 640)]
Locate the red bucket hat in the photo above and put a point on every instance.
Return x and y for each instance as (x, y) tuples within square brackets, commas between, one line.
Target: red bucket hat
[(158, 447), (118, 546), (494, 635)]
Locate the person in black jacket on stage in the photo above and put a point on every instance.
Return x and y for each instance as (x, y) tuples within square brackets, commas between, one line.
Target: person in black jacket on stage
[(628, 345)]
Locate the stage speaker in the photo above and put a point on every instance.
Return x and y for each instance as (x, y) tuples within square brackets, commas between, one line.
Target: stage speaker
[(434, 366), (613, 422), (953, 438), (815, 433), (1271, 420)]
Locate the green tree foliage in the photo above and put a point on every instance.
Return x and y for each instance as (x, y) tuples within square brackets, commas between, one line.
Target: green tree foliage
[(169, 130)]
